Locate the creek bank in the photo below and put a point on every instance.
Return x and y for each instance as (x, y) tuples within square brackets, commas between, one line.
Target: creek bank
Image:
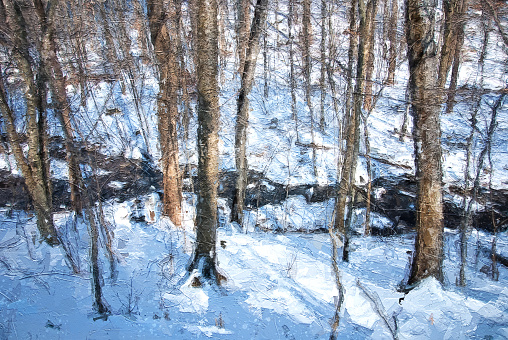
[(122, 178)]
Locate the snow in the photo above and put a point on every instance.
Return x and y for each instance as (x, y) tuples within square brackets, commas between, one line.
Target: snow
[(294, 215), (280, 283), (116, 184)]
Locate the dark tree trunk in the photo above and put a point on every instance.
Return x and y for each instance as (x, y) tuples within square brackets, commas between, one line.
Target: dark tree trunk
[(453, 10), (99, 303), (242, 118), (458, 32), (56, 80)]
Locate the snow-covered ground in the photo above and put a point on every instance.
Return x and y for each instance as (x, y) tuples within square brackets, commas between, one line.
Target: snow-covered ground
[(279, 286), (280, 283)]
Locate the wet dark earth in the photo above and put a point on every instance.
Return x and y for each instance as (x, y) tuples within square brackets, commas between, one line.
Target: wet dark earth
[(396, 201)]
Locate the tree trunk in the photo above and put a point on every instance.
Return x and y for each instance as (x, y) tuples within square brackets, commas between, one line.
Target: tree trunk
[(493, 12), (322, 78), (352, 55), (242, 118), (307, 69), (450, 102), (453, 10), (392, 38), (205, 257), (56, 80), (458, 25), (369, 35), (99, 303), (330, 67), (165, 42), (369, 175), (292, 80), (466, 213), (423, 54), (242, 29), (34, 167), (265, 61), (347, 177)]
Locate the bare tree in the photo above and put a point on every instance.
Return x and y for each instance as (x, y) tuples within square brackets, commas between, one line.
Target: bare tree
[(165, 39), (205, 256), (292, 76), (392, 38), (424, 60), (34, 166), (242, 29), (466, 217), (322, 78), (368, 34), (346, 181), (242, 117), (56, 80), (307, 69)]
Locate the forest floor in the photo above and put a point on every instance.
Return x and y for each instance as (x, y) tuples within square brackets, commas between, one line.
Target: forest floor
[(279, 285)]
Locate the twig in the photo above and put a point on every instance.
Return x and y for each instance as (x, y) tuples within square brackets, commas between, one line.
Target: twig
[(391, 323)]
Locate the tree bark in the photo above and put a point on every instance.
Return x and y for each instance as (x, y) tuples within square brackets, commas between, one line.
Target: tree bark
[(453, 10), (392, 37), (265, 61), (423, 54), (242, 29), (242, 118), (99, 302), (205, 256), (368, 34), (369, 175), (165, 42), (352, 56), (458, 32)]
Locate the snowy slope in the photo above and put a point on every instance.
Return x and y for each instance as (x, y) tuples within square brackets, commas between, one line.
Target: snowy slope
[(279, 286)]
